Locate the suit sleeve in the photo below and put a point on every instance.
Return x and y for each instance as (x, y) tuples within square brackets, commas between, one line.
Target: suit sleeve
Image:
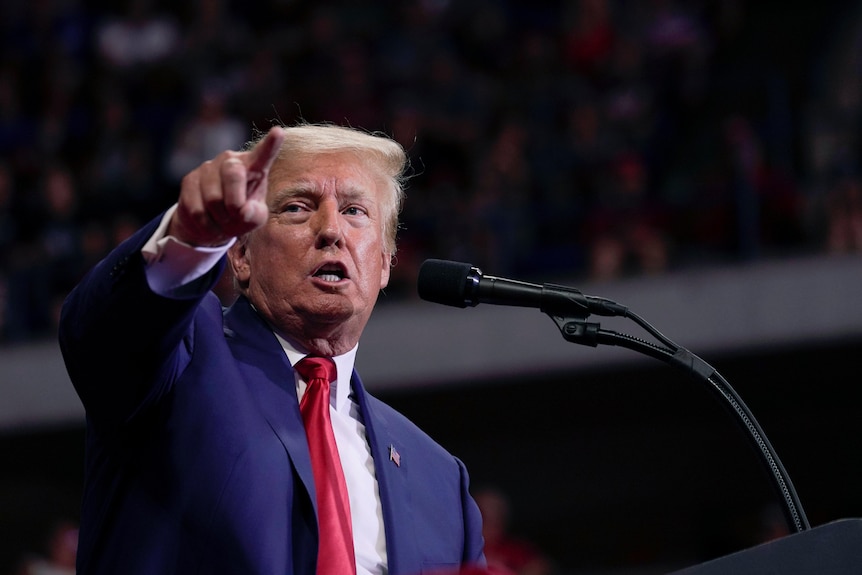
[(123, 344), (473, 542)]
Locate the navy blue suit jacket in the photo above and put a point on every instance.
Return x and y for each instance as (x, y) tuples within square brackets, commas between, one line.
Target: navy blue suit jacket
[(196, 459)]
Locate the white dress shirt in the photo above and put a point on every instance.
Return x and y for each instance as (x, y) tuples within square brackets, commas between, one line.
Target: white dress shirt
[(172, 268)]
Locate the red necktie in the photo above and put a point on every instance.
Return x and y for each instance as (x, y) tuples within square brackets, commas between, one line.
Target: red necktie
[(335, 555)]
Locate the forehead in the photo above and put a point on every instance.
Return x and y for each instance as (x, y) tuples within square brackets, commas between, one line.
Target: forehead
[(330, 171)]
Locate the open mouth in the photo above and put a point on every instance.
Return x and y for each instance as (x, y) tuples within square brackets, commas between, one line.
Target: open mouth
[(330, 273)]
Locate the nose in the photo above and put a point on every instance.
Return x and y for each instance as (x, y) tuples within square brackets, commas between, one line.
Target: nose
[(328, 224)]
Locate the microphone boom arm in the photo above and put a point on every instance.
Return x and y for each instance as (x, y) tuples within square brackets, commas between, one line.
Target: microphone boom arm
[(460, 284), (577, 330)]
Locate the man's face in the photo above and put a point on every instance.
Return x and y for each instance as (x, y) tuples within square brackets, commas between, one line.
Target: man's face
[(314, 270)]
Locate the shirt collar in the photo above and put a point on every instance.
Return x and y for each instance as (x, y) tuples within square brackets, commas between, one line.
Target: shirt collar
[(340, 390)]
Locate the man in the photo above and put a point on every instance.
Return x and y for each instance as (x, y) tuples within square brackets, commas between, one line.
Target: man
[(197, 458)]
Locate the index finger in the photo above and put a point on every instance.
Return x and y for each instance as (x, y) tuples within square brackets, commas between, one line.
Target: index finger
[(260, 160)]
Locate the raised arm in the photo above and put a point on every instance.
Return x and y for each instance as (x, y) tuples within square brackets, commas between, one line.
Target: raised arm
[(124, 344)]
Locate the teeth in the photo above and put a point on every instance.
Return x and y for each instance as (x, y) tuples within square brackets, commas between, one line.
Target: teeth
[(329, 277)]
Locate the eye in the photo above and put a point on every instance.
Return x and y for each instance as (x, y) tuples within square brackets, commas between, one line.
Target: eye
[(354, 211), (292, 208)]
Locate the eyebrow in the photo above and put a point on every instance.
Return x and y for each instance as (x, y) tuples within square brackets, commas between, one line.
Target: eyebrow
[(292, 191), (307, 189)]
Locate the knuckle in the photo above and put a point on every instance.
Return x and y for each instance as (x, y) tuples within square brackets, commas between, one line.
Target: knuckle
[(189, 180), (233, 170)]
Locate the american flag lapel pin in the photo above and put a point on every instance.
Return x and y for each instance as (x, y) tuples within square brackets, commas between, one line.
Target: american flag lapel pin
[(394, 456)]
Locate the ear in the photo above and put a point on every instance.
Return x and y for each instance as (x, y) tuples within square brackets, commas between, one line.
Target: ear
[(237, 256), (385, 269)]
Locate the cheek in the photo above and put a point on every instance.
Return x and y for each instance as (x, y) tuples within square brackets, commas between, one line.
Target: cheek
[(385, 271), (376, 262), (270, 257)]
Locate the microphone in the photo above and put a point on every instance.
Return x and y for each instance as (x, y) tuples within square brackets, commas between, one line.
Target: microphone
[(460, 285)]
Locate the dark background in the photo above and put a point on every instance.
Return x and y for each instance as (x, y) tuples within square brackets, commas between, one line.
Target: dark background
[(635, 468)]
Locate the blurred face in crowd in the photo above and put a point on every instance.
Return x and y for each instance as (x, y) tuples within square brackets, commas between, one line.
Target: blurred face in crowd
[(315, 269)]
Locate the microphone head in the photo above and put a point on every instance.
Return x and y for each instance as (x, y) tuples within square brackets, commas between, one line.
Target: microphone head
[(445, 282)]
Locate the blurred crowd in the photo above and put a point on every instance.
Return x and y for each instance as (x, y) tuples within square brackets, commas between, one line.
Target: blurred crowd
[(581, 138)]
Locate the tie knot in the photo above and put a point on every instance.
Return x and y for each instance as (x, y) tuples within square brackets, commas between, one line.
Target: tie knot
[(311, 367)]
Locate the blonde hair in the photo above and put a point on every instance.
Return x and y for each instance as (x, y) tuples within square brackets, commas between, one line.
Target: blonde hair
[(375, 148)]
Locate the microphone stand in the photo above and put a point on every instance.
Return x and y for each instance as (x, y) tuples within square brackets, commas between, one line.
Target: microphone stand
[(576, 329)]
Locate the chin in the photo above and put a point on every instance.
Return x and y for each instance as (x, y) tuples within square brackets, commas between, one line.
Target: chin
[(331, 309)]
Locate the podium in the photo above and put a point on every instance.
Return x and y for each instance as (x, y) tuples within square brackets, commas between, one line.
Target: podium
[(833, 548)]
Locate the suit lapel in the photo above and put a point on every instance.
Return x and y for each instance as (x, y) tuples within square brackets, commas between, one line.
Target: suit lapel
[(392, 467), (268, 372), (270, 377)]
